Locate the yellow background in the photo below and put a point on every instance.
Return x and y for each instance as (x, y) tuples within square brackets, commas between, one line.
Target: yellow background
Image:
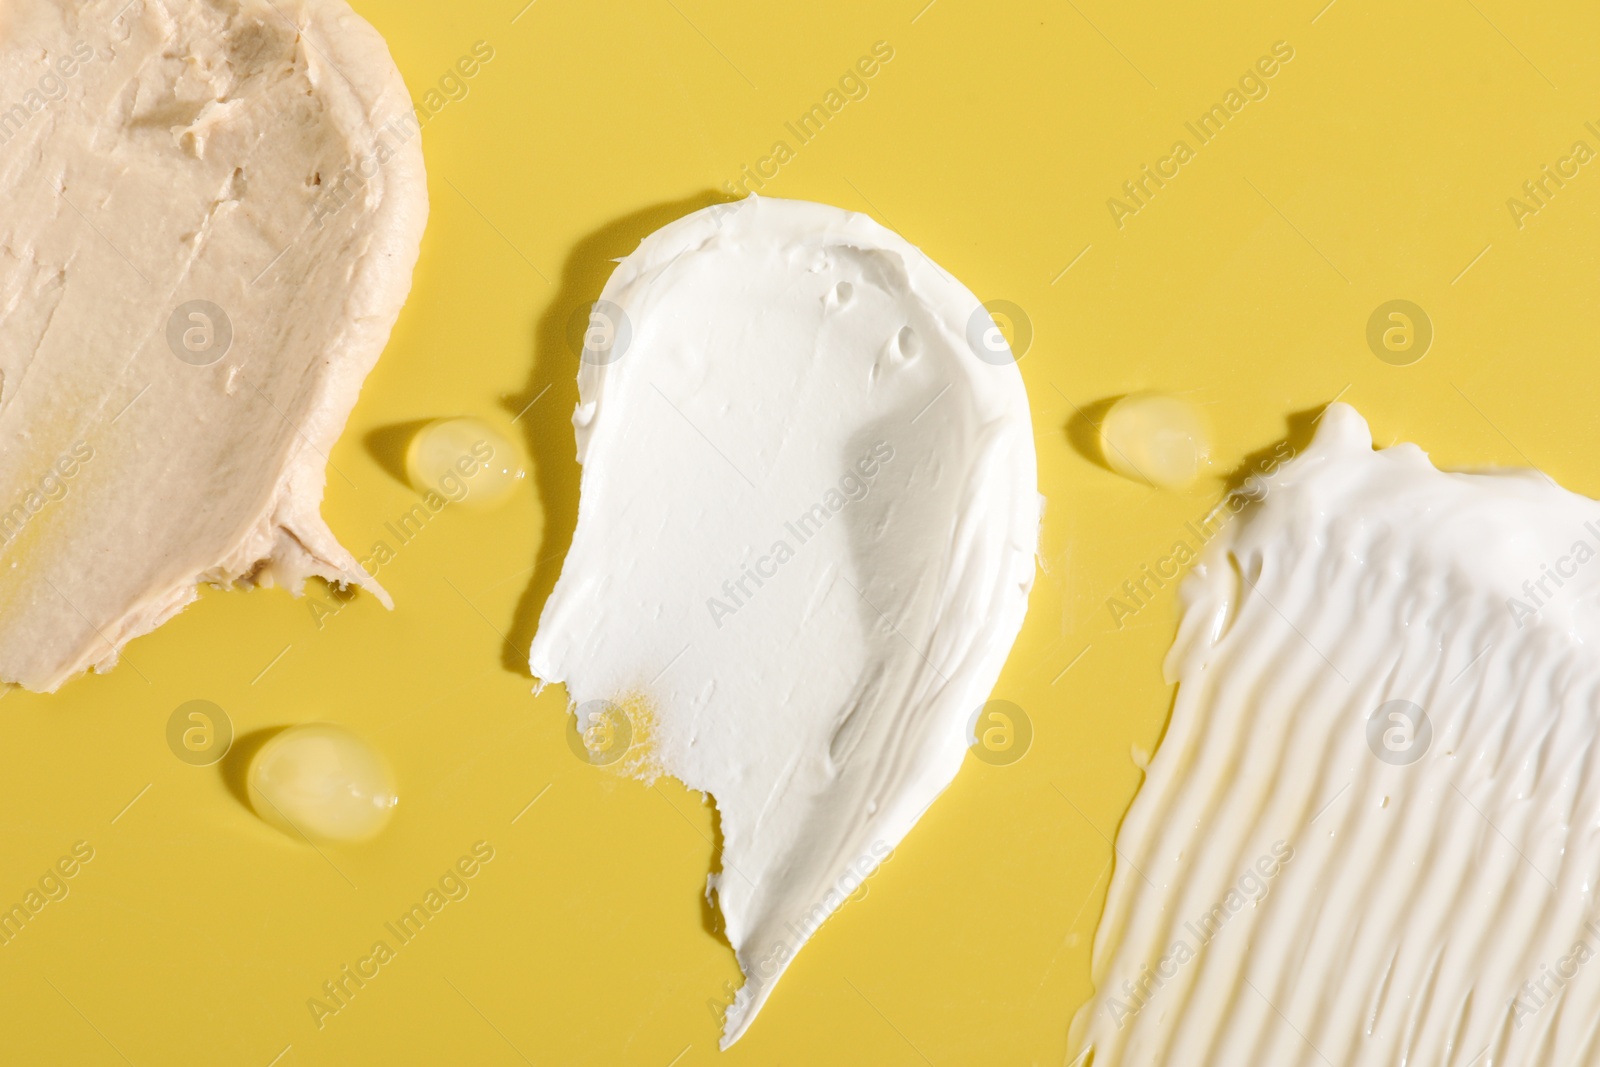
[(1377, 168)]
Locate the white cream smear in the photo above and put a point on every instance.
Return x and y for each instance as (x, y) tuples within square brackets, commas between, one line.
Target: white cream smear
[(805, 542), (1372, 831), (212, 210)]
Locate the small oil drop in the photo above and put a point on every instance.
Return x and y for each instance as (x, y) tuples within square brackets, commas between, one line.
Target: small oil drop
[(323, 782), (464, 460), (1155, 438)]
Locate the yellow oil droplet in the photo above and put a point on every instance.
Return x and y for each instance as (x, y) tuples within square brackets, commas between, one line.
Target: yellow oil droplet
[(322, 782), (1155, 438), (464, 460)]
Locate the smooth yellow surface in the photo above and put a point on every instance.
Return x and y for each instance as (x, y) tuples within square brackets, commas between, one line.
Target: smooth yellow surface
[(1378, 168)]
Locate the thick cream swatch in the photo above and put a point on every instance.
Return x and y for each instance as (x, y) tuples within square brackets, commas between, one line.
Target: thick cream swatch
[(1372, 831), (804, 547), (210, 220)]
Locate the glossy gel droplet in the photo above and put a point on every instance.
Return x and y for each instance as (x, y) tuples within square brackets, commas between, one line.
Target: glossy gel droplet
[(322, 782), (464, 460), (1154, 438)]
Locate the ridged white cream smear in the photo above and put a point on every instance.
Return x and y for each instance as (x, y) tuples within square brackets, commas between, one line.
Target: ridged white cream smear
[(1372, 832), (805, 541)]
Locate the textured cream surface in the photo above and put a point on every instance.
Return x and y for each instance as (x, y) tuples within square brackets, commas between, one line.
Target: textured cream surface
[(805, 542), (261, 157), (1309, 875)]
